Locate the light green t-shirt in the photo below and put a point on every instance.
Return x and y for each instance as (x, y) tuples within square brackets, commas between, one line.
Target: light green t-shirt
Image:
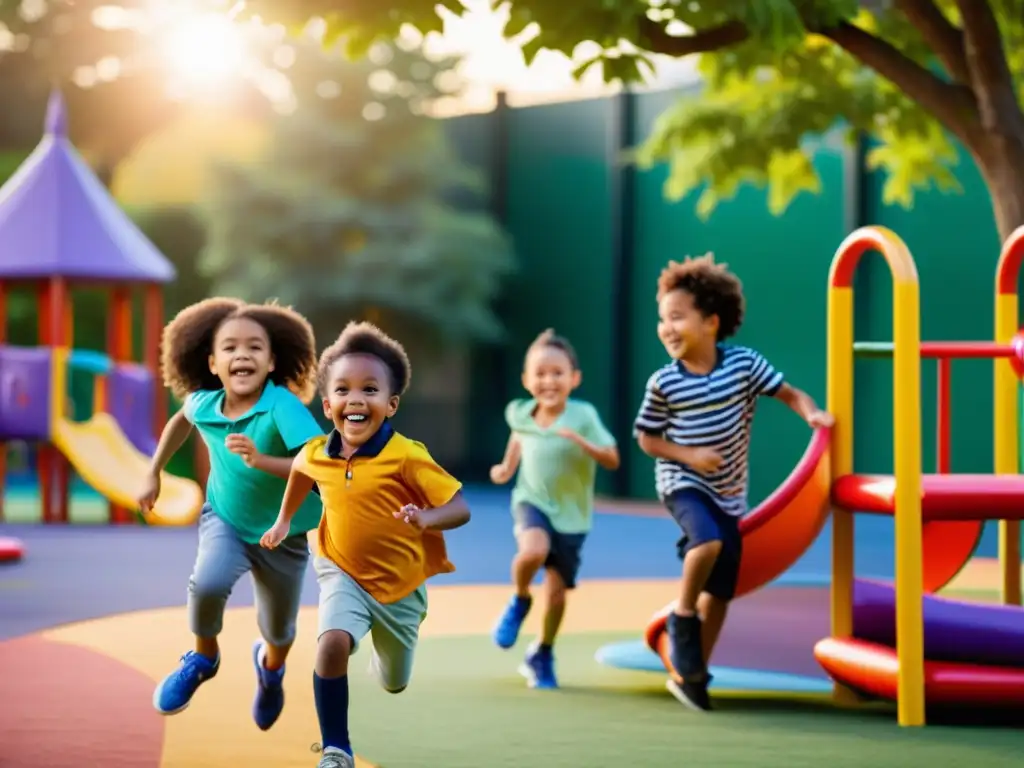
[(555, 475)]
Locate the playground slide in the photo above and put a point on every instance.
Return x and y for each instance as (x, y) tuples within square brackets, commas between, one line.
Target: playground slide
[(777, 533), (105, 458)]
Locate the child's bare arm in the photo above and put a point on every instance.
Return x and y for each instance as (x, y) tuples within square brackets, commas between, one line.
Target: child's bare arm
[(454, 514), (804, 405), (298, 488), (503, 472), (295, 492), (279, 466), (174, 434), (605, 455), (700, 457)]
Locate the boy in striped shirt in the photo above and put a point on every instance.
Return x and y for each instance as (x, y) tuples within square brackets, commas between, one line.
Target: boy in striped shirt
[(695, 421)]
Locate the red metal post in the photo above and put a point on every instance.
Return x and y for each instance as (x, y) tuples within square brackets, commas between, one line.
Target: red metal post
[(965, 349), (62, 335), (943, 417), (119, 350), (44, 464), (154, 312)]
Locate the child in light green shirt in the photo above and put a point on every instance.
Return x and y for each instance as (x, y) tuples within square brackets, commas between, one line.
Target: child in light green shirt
[(556, 445)]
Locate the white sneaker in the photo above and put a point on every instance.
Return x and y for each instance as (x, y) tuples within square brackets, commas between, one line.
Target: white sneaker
[(336, 758)]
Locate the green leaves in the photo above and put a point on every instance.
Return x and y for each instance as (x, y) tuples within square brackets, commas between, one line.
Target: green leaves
[(914, 161), (618, 67), (754, 120)]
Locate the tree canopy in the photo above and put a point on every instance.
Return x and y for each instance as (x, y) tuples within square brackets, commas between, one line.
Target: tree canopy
[(352, 211), (915, 75)]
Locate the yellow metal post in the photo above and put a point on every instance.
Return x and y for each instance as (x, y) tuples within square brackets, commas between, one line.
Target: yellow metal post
[(907, 451), (1006, 409), (839, 402)]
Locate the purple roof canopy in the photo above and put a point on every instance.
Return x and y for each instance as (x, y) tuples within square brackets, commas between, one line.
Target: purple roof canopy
[(58, 220)]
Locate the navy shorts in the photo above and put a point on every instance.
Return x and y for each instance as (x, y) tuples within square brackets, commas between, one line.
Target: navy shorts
[(702, 521), (564, 554)]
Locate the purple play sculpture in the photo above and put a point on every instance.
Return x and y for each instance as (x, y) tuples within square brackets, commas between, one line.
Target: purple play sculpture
[(130, 396), (57, 219), (24, 393), (972, 633)]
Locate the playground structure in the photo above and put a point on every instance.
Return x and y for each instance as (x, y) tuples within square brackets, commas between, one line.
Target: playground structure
[(59, 229), (901, 642)]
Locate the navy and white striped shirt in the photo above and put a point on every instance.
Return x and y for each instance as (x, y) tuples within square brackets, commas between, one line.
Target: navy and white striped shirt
[(713, 410)]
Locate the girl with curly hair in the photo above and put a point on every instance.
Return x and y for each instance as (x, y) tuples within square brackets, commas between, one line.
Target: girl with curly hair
[(243, 372)]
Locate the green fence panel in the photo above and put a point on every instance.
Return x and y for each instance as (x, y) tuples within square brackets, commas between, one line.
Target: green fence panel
[(559, 214)]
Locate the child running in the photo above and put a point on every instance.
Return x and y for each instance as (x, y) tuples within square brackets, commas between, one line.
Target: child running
[(242, 371), (385, 504), (695, 421), (556, 444)]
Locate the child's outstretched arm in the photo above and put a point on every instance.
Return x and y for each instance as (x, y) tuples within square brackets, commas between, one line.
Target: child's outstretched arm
[(605, 455), (279, 466), (804, 405), (503, 472), (175, 432), (454, 514), (298, 488)]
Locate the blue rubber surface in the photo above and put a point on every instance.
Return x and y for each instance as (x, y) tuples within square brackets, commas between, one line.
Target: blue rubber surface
[(149, 567), (635, 655)]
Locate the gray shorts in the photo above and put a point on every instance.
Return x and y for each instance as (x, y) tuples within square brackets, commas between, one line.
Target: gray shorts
[(394, 628), (223, 558)]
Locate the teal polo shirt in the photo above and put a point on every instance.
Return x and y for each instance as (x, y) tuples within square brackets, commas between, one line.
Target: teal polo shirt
[(249, 499)]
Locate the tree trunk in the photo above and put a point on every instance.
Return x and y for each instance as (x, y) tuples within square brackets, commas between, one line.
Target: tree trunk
[(1002, 166)]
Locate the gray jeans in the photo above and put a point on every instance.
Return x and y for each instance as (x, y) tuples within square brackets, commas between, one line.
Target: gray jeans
[(223, 558)]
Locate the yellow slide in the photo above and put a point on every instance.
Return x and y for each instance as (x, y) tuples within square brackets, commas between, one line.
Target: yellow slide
[(102, 454)]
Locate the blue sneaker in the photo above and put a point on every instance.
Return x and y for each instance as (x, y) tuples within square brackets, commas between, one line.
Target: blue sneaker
[(539, 668), (506, 631), (269, 701), (178, 688)]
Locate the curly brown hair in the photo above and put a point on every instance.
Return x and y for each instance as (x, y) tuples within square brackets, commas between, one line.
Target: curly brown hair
[(549, 338), (715, 290), (361, 338), (188, 343)]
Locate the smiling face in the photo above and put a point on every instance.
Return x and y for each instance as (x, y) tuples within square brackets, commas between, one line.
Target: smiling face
[(549, 376), (241, 357), (359, 397), (682, 328)]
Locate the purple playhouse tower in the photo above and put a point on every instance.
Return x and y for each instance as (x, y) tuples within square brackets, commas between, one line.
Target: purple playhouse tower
[(60, 229)]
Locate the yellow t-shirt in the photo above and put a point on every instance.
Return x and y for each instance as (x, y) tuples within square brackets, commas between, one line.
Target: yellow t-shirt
[(386, 556)]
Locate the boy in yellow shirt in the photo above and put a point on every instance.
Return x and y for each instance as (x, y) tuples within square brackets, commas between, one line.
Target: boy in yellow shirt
[(385, 504)]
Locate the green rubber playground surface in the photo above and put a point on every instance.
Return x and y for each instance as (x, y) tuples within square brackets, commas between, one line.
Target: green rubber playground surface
[(461, 700)]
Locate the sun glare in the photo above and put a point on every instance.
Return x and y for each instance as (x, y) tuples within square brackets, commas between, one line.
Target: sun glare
[(204, 49)]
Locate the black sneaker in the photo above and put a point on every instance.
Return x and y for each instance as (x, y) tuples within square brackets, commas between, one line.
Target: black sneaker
[(687, 650), (693, 695)]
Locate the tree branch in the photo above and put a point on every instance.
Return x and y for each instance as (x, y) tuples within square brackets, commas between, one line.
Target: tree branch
[(655, 39), (945, 39), (951, 104), (989, 71)]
